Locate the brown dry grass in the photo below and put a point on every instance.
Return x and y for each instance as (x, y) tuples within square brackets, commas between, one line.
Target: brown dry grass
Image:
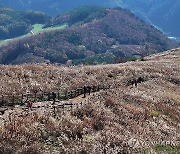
[(118, 120)]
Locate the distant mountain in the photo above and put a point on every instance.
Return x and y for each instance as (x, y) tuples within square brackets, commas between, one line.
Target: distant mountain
[(52, 7), (161, 13), (95, 35), (14, 23)]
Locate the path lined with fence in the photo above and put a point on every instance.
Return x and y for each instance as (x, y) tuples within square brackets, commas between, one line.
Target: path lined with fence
[(62, 98), (66, 101), (12, 100)]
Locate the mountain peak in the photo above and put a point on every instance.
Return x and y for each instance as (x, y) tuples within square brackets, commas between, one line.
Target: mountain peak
[(94, 35)]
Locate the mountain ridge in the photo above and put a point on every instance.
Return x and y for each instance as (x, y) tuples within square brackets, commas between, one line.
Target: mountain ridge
[(161, 13), (99, 36), (15, 23)]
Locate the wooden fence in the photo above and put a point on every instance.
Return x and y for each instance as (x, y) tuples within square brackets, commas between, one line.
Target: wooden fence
[(12, 100)]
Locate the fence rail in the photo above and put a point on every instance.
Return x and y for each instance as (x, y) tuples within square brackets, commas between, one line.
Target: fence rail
[(12, 100)]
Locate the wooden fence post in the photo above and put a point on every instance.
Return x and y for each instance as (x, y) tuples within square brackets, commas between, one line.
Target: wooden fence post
[(93, 88), (63, 108), (35, 96), (58, 96), (71, 107), (13, 100), (42, 96), (76, 92), (22, 99), (48, 96), (65, 95), (54, 111), (71, 94), (81, 91), (2, 102)]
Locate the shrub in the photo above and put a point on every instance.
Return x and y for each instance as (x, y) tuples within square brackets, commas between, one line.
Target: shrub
[(75, 39), (98, 122), (155, 113), (110, 75), (142, 59), (33, 149), (166, 148), (109, 102)]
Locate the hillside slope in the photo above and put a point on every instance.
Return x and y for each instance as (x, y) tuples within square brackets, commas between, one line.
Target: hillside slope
[(116, 34), (52, 7), (161, 13), (124, 119), (15, 23)]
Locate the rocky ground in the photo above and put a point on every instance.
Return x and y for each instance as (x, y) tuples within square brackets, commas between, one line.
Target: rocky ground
[(122, 119)]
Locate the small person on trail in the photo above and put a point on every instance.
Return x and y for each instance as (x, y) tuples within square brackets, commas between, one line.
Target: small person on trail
[(89, 89), (54, 97), (85, 91), (93, 88), (140, 79), (29, 104), (135, 83)]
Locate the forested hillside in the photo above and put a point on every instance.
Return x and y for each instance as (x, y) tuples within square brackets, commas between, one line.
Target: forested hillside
[(14, 23), (162, 13), (78, 16), (96, 36), (52, 7)]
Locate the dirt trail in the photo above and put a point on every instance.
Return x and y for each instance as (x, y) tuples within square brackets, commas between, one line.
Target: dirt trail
[(65, 105)]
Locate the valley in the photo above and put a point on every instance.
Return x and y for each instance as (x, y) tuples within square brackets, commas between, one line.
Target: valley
[(93, 36), (37, 28)]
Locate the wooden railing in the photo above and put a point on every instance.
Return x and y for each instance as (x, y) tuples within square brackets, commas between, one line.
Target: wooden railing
[(12, 100)]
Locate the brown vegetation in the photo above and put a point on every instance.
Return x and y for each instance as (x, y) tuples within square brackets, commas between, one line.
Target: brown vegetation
[(119, 33), (122, 119)]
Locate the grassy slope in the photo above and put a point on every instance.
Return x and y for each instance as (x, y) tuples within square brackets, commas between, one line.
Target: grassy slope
[(115, 119), (37, 28)]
